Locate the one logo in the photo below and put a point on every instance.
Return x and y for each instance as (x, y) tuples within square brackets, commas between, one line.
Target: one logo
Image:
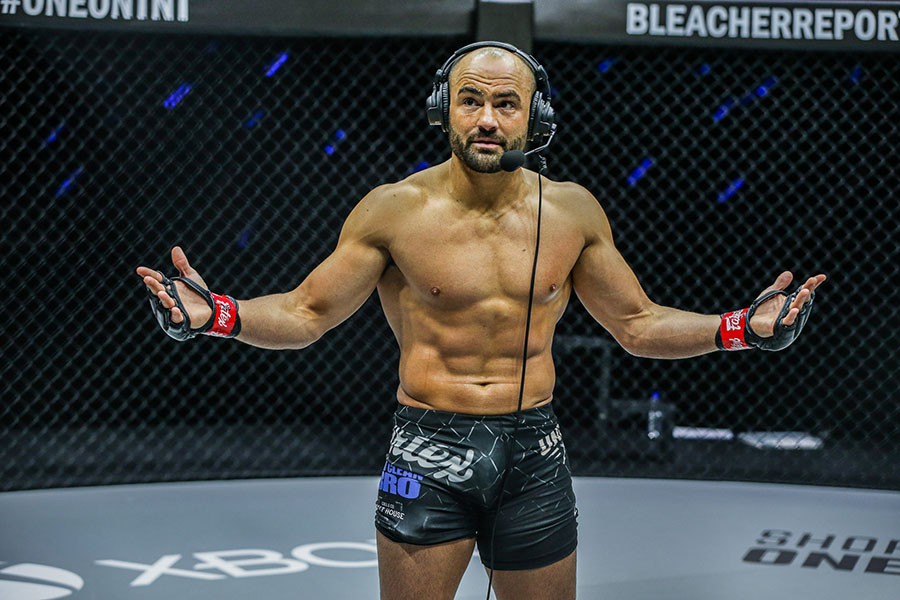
[(432, 455), (27, 581)]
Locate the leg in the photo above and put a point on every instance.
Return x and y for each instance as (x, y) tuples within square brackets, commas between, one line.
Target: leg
[(553, 582), (413, 572)]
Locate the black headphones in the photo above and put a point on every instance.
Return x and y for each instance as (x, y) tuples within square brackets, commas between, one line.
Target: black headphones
[(541, 116)]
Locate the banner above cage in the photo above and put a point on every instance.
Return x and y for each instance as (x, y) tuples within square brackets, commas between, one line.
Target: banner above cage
[(847, 25), (757, 24)]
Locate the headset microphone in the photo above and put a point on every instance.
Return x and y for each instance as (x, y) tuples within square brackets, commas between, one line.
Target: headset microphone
[(513, 159)]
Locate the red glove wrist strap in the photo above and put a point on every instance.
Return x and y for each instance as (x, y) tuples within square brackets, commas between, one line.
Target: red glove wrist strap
[(225, 317), (731, 330)]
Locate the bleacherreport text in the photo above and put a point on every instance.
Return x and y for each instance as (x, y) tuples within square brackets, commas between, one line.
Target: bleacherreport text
[(763, 22)]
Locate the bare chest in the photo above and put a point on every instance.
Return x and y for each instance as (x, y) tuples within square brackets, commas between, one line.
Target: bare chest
[(455, 263)]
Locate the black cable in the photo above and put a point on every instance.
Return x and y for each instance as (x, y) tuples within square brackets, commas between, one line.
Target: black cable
[(506, 469)]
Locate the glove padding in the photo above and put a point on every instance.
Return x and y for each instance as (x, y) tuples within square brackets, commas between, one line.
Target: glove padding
[(783, 335), (182, 331)]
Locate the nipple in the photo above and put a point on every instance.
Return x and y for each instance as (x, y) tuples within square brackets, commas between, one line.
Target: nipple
[(435, 291), (552, 287)]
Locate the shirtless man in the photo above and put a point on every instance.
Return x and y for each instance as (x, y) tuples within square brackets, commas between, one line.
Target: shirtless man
[(450, 251)]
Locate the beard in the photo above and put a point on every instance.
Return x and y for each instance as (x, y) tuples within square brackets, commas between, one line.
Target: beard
[(481, 160)]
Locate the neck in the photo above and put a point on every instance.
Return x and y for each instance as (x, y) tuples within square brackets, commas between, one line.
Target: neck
[(486, 192)]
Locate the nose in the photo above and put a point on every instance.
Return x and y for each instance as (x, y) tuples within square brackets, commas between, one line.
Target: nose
[(487, 118)]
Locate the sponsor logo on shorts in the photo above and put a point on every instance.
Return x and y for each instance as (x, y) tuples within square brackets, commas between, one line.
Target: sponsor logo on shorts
[(432, 455), (389, 510), (399, 482), (551, 445)]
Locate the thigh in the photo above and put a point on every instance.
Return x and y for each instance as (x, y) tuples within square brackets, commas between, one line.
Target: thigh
[(553, 582), (413, 572)]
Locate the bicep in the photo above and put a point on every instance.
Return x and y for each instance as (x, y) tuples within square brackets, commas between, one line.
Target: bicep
[(605, 284), (341, 283)]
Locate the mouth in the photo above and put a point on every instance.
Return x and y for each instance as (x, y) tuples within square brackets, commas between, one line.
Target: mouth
[(486, 143)]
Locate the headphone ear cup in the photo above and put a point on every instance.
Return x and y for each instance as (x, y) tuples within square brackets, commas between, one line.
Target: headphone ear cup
[(541, 118), (433, 107), (445, 107)]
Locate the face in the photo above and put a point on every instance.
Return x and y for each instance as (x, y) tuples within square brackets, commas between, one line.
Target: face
[(490, 94)]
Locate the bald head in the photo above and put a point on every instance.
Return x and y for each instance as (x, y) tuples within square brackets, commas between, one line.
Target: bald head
[(493, 62)]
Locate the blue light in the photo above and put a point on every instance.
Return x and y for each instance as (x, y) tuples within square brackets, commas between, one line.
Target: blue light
[(422, 165), (340, 134), (606, 64), (766, 86), (244, 239), (654, 396), (254, 118), (176, 97), (54, 134), (729, 192), (277, 64), (329, 149), (703, 69), (856, 74), (68, 182), (723, 110), (639, 172)]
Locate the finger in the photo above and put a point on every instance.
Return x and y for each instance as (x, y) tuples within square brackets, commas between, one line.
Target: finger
[(783, 280), (790, 317), (176, 315), (145, 272), (801, 299), (166, 299), (180, 261), (153, 284)]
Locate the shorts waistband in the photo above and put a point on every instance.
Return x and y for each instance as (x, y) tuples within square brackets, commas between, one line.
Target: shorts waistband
[(536, 415)]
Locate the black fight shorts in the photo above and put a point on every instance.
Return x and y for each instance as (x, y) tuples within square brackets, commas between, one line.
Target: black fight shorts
[(442, 480)]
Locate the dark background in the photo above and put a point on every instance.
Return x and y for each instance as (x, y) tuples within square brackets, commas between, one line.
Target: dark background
[(95, 393)]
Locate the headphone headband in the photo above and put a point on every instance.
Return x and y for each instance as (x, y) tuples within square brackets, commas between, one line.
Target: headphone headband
[(540, 75)]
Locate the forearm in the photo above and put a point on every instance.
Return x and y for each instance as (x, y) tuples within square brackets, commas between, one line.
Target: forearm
[(664, 332), (276, 322)]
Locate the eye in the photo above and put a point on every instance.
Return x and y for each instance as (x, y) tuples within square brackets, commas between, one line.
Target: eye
[(469, 101)]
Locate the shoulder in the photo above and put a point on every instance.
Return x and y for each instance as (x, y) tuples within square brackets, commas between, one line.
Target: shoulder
[(375, 216), (389, 198), (581, 206)]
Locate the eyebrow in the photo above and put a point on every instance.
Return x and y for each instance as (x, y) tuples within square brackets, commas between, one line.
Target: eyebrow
[(467, 89)]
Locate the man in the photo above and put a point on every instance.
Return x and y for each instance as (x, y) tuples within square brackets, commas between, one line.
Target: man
[(450, 251)]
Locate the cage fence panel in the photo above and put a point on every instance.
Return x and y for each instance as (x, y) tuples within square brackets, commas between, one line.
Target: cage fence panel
[(717, 170)]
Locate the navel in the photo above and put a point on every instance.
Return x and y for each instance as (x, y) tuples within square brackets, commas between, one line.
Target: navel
[(435, 291)]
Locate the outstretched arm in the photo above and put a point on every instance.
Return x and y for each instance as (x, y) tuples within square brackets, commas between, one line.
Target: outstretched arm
[(332, 292), (611, 293)]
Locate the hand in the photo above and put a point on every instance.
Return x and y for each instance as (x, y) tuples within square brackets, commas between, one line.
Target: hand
[(763, 321), (197, 308)]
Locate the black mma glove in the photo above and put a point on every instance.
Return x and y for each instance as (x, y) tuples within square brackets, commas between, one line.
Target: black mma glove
[(224, 321), (735, 332)]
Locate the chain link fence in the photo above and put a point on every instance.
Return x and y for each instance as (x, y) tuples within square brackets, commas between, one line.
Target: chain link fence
[(717, 169)]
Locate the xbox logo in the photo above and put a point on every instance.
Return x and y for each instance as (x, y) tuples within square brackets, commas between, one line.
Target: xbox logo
[(27, 581)]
